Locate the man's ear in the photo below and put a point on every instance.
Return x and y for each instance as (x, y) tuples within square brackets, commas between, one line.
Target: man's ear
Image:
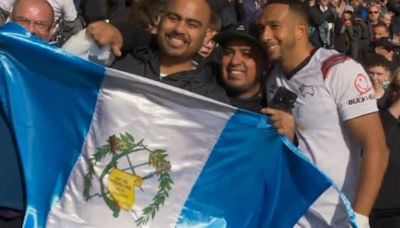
[(301, 30)]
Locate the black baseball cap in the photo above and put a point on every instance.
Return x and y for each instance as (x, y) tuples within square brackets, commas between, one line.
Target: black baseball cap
[(385, 43), (240, 31)]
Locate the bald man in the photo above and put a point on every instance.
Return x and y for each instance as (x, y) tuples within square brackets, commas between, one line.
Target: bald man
[(36, 16)]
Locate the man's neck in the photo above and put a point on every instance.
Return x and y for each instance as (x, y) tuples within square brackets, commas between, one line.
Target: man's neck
[(293, 62), (170, 65)]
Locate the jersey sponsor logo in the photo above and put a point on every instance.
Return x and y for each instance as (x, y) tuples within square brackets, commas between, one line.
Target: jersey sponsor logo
[(362, 99), (362, 84), (307, 90)]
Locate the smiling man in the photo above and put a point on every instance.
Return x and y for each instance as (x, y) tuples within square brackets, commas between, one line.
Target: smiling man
[(169, 58), (242, 66), (335, 112)]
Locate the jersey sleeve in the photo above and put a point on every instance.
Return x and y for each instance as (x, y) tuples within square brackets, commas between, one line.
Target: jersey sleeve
[(352, 89)]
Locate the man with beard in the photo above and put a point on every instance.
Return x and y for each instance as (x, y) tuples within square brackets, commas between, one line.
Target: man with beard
[(169, 58), (335, 112)]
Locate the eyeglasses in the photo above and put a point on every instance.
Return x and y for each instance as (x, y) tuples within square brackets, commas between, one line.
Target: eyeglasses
[(25, 22), (373, 12)]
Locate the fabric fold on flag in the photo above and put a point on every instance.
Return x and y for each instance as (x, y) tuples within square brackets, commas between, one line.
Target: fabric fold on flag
[(103, 148)]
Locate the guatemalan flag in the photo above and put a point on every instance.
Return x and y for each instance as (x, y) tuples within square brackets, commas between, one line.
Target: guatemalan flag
[(103, 148)]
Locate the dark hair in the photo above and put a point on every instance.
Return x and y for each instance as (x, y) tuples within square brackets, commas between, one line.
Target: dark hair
[(393, 92), (215, 23), (146, 12), (295, 6), (377, 60), (381, 24)]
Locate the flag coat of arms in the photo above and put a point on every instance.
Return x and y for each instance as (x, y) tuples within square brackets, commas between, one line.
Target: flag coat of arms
[(103, 148)]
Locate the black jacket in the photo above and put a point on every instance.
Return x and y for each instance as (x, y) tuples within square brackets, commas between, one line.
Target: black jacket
[(145, 61), (388, 196)]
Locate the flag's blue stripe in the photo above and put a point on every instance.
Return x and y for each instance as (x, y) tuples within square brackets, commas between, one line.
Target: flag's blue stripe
[(50, 127), (279, 179)]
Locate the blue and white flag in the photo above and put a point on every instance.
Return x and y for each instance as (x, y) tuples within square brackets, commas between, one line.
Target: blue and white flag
[(103, 148)]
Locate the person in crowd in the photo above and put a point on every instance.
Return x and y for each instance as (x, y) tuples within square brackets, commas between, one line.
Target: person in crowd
[(249, 10), (386, 18), (169, 59), (336, 105), (394, 7), (359, 10), (243, 66), (387, 49), (381, 44), (322, 18), (386, 212), (65, 18), (36, 16), (209, 44), (147, 14), (344, 33), (380, 30), (374, 13), (226, 11), (378, 70)]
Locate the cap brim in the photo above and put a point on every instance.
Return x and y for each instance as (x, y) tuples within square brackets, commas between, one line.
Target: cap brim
[(224, 37)]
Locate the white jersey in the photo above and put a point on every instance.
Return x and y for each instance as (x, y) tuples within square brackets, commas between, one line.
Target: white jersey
[(331, 89)]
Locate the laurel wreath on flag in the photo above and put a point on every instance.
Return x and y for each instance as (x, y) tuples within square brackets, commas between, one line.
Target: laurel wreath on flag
[(125, 145)]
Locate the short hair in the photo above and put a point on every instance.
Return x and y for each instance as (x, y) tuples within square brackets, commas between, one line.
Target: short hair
[(377, 60), (295, 6), (381, 24), (146, 12), (44, 1), (215, 23)]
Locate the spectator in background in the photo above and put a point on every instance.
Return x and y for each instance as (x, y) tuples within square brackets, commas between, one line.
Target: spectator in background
[(380, 30), (386, 18), (385, 48), (394, 7), (374, 13), (361, 36), (209, 44), (65, 18), (379, 72), (322, 18), (226, 11), (147, 14), (376, 32), (249, 10), (36, 16), (344, 33), (359, 10)]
